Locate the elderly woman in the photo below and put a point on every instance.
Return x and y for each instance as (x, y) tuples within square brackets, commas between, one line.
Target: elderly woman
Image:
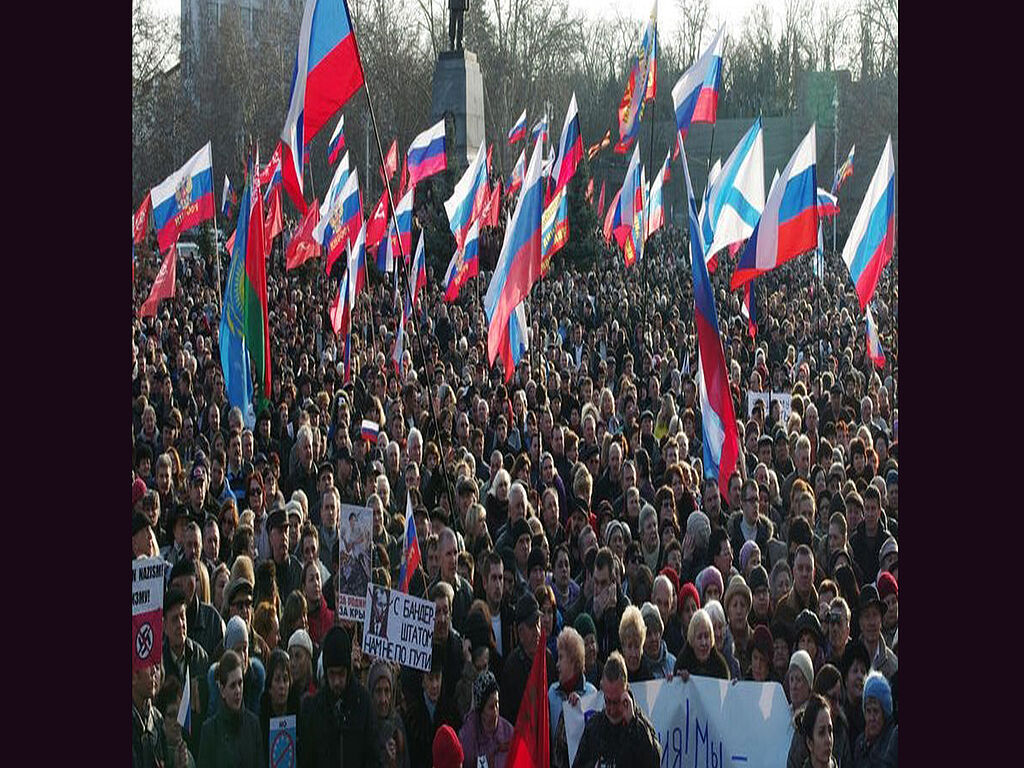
[(632, 635), (570, 686), (737, 602), (801, 678), (750, 557), (496, 503), (877, 746), (762, 649), (656, 652), (695, 545), (388, 728), (710, 585), (699, 656), (485, 733), (723, 638)]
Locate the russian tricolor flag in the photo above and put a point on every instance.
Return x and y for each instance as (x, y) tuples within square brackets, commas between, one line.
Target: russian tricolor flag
[(828, 205), (695, 96), (337, 142), (869, 246), (369, 430), (410, 549), (540, 129), (184, 199), (519, 262), (844, 171), (357, 266), (749, 308), (518, 130), (656, 201), (570, 148), (426, 155), (400, 241), (227, 198), (341, 216), (185, 707), (718, 420), (465, 264), (789, 223), (327, 72), (468, 198), (875, 352), (627, 225), (338, 311)]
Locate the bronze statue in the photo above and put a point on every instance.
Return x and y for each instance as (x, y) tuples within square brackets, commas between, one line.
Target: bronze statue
[(456, 10)]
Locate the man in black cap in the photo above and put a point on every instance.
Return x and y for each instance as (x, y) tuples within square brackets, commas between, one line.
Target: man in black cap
[(200, 503), (517, 666), (205, 626), (181, 653), (335, 726), (288, 568), (871, 611)]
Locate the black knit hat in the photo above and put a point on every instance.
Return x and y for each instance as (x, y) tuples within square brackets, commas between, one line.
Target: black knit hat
[(808, 621), (854, 650), (337, 650)]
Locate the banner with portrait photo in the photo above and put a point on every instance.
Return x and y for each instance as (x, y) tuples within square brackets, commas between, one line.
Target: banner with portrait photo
[(355, 544), (398, 627), (783, 399)]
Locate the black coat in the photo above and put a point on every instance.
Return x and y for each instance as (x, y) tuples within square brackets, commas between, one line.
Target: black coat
[(420, 727), (635, 745), (715, 666), (513, 680), (231, 739), (337, 732)]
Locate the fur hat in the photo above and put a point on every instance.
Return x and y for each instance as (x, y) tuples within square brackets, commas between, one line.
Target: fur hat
[(710, 575), (877, 687)]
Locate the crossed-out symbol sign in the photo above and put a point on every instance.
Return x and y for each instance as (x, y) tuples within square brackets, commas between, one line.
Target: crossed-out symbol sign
[(144, 641), (282, 751)]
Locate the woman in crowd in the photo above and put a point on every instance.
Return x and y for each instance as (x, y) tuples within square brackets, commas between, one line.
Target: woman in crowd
[(570, 685), (700, 656), (278, 697), (485, 733), (388, 727), (632, 634), (877, 746), (232, 737)]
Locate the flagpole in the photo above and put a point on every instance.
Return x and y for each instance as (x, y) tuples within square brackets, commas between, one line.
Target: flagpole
[(216, 261), (401, 249)]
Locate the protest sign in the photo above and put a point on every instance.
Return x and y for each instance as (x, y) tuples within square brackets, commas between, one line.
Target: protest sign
[(704, 721), (355, 541), (282, 742), (398, 627), (147, 612), (783, 399)]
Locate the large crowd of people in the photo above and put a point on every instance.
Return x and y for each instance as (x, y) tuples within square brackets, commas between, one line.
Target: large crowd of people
[(564, 512)]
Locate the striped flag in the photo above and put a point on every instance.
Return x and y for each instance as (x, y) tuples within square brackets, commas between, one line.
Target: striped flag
[(872, 236), (594, 149), (844, 171), (337, 142), (410, 548), (369, 430), (185, 707), (875, 352), (518, 130), (184, 199)]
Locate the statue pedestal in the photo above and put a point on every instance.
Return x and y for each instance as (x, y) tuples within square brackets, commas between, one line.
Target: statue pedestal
[(459, 91)]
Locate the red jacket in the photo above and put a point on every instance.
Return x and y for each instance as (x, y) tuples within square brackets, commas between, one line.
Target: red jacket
[(320, 622)]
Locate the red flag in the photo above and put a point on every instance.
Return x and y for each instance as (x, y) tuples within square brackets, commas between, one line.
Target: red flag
[(489, 215), (273, 224), (610, 216), (163, 286), (531, 742), (600, 202), (231, 242), (390, 162), (404, 179), (377, 224), (490, 150), (589, 196), (140, 219), (303, 245)]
